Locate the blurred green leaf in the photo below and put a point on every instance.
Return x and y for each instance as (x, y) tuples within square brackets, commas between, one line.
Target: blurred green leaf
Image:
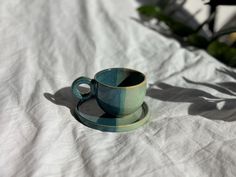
[(149, 10), (234, 45), (180, 28), (231, 56), (197, 40), (223, 52), (217, 49), (176, 27)]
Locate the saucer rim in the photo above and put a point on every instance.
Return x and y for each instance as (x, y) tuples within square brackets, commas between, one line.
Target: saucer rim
[(117, 128)]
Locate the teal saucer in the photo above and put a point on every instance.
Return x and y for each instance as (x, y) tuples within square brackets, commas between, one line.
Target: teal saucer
[(90, 114)]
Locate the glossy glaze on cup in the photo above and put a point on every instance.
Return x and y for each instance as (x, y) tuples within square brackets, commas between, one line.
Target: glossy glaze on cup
[(120, 91)]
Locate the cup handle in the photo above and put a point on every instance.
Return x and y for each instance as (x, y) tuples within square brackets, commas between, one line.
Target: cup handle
[(76, 92)]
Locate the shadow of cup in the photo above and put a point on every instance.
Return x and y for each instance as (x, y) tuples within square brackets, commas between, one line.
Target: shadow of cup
[(64, 97)]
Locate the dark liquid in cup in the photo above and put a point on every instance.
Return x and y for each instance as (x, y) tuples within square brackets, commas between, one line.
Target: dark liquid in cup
[(120, 77), (131, 79)]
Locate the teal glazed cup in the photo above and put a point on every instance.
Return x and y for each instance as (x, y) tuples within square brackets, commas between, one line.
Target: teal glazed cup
[(118, 91)]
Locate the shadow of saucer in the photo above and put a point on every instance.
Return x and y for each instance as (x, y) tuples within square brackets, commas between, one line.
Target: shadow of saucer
[(64, 97)]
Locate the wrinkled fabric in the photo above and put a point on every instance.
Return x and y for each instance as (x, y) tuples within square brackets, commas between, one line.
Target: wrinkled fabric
[(46, 44)]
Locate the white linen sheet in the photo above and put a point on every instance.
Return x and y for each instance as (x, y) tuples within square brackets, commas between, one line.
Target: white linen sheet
[(45, 45)]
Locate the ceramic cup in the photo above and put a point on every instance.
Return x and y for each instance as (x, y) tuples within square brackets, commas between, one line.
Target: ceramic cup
[(118, 91)]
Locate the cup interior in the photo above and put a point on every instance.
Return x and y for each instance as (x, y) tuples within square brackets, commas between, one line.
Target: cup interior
[(120, 77)]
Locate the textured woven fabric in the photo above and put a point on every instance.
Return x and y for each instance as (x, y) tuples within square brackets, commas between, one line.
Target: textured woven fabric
[(45, 45)]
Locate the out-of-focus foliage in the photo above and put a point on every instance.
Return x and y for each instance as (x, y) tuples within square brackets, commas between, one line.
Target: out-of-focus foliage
[(223, 52)]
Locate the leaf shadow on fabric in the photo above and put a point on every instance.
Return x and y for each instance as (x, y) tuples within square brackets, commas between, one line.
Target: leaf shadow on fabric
[(202, 103)]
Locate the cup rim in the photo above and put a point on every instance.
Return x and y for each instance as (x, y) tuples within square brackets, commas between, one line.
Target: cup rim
[(122, 87)]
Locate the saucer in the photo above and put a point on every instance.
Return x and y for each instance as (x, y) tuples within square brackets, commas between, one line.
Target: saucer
[(90, 114)]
